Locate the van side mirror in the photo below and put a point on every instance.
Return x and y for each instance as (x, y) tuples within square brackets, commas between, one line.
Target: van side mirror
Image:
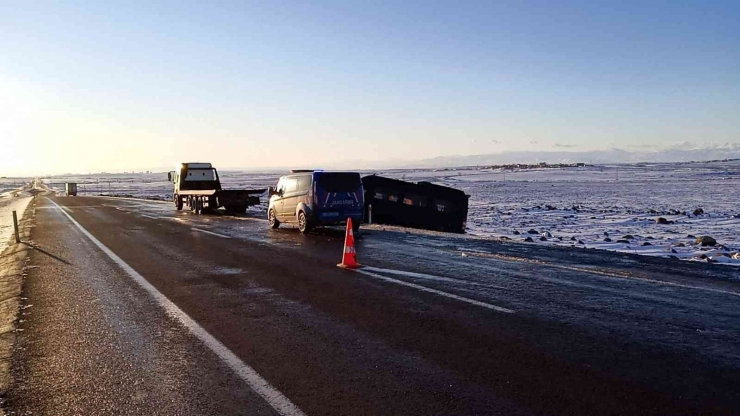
[(271, 191), (169, 176)]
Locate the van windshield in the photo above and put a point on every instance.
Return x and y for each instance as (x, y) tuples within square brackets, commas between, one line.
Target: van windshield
[(339, 182)]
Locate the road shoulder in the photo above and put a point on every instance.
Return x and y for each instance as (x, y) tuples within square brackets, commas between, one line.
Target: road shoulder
[(13, 265)]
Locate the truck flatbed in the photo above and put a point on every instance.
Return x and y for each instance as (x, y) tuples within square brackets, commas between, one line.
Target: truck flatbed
[(198, 193)]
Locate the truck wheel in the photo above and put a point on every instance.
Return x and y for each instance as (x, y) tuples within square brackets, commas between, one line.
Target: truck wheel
[(178, 202), (303, 226), (272, 219)]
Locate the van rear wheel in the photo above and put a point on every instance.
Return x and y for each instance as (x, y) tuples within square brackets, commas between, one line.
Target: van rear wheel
[(272, 219), (178, 202), (303, 225)]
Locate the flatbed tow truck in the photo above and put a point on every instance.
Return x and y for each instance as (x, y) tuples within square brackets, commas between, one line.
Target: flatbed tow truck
[(197, 186)]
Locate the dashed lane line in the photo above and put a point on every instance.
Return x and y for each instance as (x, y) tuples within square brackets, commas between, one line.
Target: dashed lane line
[(608, 274), (366, 271), (432, 277), (210, 232)]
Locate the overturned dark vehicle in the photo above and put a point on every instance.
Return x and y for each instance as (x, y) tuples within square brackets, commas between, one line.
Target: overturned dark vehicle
[(418, 205)]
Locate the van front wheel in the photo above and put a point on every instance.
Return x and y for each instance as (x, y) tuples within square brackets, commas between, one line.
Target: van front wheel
[(303, 225), (272, 219)]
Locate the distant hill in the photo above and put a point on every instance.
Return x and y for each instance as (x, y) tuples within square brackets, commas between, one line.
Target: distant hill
[(686, 152), (676, 154)]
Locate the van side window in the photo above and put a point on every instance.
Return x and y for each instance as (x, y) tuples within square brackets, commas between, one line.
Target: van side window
[(281, 185), (290, 185), (304, 183)]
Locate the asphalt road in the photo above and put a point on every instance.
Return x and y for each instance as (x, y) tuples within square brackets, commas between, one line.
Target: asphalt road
[(173, 313)]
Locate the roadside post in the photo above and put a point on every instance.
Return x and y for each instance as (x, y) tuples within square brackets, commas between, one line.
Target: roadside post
[(370, 214), (15, 227)]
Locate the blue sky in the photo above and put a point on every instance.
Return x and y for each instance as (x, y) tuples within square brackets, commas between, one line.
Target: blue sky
[(97, 86)]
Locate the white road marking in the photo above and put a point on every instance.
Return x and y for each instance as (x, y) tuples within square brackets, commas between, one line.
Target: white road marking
[(429, 290), (149, 216), (603, 273), (69, 210), (272, 396), (211, 232), (430, 277), (140, 200)]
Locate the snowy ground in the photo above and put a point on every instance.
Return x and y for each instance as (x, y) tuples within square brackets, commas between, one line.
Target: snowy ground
[(604, 207), (10, 185), (12, 198)]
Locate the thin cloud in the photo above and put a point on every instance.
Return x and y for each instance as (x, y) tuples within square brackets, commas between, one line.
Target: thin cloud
[(564, 145)]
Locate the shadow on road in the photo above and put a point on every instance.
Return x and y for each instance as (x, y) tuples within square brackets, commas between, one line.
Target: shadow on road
[(39, 249)]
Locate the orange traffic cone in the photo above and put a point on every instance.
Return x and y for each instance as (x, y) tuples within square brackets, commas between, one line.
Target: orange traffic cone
[(349, 257)]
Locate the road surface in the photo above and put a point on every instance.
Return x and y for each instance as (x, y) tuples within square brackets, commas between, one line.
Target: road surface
[(135, 308)]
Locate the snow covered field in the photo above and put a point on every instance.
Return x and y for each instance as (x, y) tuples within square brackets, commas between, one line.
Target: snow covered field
[(153, 185), (605, 207), (9, 202), (7, 185)]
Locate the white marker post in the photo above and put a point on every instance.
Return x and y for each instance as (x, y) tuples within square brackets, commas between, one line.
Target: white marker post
[(15, 227), (370, 214)]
